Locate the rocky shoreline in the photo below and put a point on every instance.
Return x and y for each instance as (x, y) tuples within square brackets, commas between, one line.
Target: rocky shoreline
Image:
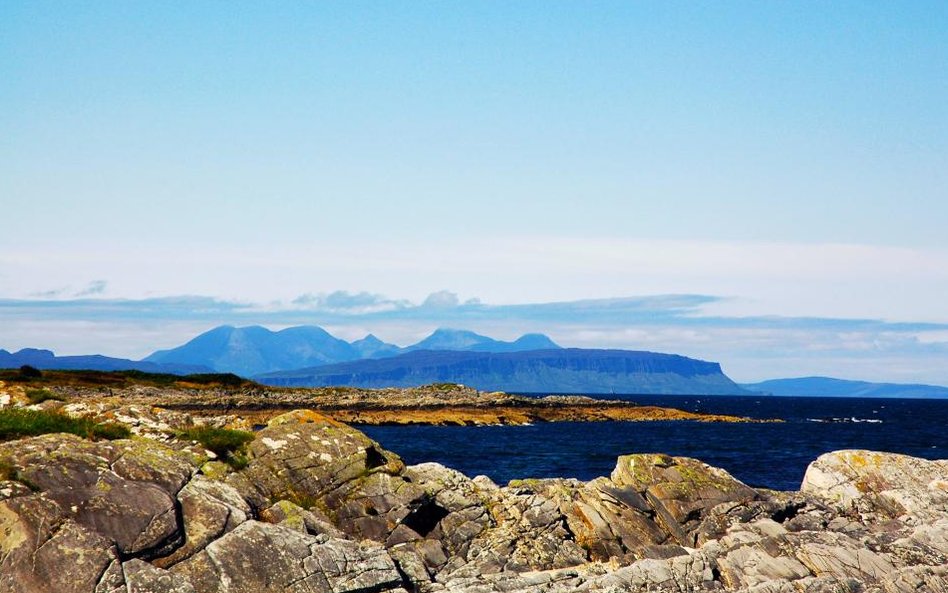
[(317, 506), (439, 404)]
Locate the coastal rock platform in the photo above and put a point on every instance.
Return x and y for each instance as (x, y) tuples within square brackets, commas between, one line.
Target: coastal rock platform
[(318, 506), (438, 404)]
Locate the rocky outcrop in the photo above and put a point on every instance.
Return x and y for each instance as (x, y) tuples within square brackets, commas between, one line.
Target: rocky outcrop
[(263, 558), (880, 485), (438, 404), (321, 507)]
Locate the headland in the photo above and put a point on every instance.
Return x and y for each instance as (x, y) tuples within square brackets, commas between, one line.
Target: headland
[(252, 403)]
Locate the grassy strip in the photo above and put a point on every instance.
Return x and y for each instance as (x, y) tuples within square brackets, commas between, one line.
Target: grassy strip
[(227, 444), (17, 422), (117, 379), (38, 396)]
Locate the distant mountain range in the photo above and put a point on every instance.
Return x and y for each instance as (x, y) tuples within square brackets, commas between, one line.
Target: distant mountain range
[(467, 341), (829, 387), (570, 370), (249, 351), (311, 356), (45, 359)]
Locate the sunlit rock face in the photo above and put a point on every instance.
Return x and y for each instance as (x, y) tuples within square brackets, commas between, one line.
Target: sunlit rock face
[(318, 506)]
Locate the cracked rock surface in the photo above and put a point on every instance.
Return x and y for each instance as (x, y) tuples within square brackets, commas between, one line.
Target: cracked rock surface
[(320, 507)]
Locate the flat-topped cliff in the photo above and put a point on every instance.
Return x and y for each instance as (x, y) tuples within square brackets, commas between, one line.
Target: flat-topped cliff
[(558, 370)]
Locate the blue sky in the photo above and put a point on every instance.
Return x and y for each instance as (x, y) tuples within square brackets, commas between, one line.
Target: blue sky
[(781, 161)]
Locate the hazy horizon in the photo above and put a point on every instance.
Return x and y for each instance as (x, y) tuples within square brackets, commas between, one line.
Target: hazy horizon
[(765, 186)]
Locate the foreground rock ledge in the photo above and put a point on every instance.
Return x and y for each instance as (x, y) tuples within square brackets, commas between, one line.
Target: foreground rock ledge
[(321, 507)]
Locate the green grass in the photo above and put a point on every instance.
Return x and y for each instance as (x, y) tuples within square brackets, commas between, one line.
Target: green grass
[(8, 472), (17, 422), (237, 461), (226, 379), (110, 431), (37, 396), (227, 444), (119, 379)]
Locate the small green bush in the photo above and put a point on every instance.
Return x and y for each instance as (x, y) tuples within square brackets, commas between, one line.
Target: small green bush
[(223, 442), (18, 422), (29, 372), (37, 396), (227, 379), (111, 431), (237, 461)]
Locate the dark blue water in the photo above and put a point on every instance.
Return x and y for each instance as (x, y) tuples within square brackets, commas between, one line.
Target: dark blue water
[(763, 455)]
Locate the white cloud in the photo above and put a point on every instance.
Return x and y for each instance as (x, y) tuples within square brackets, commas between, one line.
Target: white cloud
[(342, 301), (96, 287), (750, 347), (792, 279), (443, 299), (802, 306)]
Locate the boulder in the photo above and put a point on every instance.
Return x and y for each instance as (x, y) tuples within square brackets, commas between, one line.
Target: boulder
[(43, 550), (680, 491), (526, 531), (141, 577), (263, 558), (882, 485), (296, 517), (209, 509), (123, 490)]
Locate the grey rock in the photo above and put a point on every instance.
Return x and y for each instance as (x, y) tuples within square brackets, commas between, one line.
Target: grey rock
[(44, 551), (296, 517), (141, 577), (321, 507), (879, 484), (263, 558), (209, 509), (124, 490)]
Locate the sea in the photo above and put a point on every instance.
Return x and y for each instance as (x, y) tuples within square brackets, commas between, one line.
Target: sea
[(766, 455)]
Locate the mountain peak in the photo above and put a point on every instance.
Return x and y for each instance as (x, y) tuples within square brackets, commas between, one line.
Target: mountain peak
[(445, 338), (36, 353), (372, 347), (450, 331), (255, 349), (304, 330), (536, 342)]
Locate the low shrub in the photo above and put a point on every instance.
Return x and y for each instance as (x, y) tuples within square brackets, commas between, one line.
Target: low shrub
[(226, 379), (19, 422), (227, 444), (111, 431), (237, 461), (30, 372), (37, 396)]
